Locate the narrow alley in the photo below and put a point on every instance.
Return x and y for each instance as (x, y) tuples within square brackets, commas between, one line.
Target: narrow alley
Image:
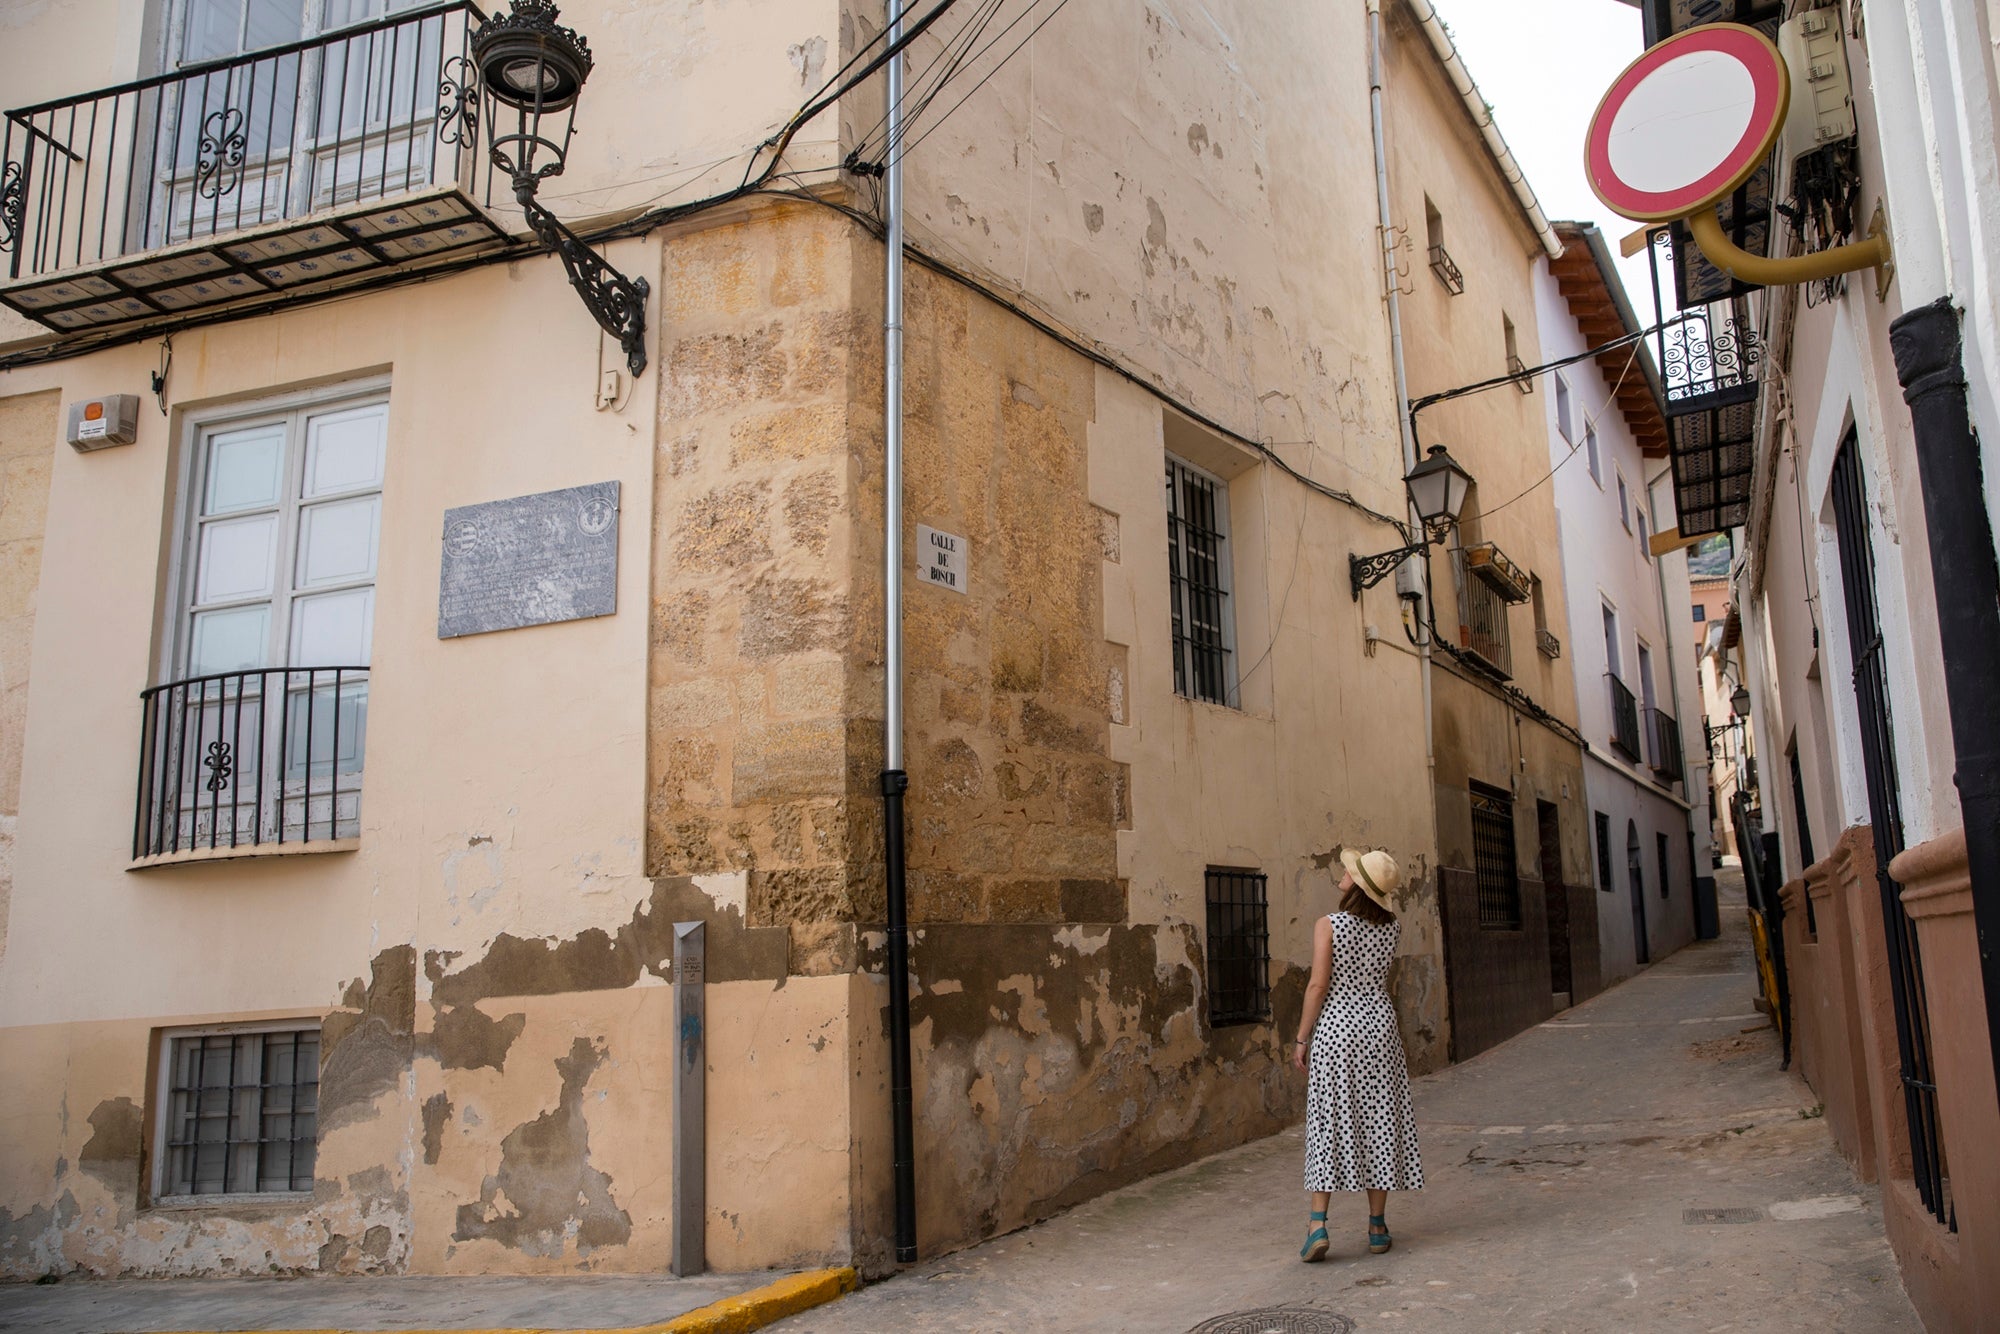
[(1639, 1162)]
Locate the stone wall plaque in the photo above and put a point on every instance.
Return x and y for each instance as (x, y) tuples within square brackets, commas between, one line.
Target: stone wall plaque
[(531, 560)]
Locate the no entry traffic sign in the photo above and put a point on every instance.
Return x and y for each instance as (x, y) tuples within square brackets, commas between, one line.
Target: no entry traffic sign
[(1687, 123)]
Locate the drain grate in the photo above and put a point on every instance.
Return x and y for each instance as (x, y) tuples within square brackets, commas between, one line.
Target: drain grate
[(1277, 1320), (1700, 1216)]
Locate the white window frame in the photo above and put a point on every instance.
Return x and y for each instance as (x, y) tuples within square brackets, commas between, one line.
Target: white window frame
[(1590, 448), (177, 637), (156, 1193), (1614, 643), (1564, 424), (1624, 501)]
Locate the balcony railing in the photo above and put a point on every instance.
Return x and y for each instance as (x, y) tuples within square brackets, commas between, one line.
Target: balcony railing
[(246, 760), (1624, 720), (1550, 646), (1482, 620), (1447, 270), (208, 163), (1666, 738)]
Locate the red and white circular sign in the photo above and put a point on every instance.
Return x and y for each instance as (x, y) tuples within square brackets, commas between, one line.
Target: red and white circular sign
[(1687, 123)]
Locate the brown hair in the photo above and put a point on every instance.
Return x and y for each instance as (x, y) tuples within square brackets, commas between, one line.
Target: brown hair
[(1357, 902)]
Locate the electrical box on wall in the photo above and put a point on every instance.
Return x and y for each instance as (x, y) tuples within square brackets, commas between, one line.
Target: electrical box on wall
[(1814, 46), (97, 423)]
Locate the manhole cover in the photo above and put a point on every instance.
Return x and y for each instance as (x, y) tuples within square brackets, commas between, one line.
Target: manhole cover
[(1722, 1215), (1277, 1320)]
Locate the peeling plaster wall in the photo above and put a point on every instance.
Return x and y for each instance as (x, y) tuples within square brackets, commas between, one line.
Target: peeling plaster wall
[(488, 812)]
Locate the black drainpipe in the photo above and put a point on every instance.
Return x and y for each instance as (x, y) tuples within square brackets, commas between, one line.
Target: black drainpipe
[(1930, 367)]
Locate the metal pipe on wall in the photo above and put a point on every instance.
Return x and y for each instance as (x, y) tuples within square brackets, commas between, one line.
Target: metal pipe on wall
[(1930, 367), (1407, 427), (895, 782)]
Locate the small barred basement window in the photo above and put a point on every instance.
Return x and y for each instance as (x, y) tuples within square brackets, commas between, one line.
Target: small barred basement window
[(1239, 947), (239, 1114)]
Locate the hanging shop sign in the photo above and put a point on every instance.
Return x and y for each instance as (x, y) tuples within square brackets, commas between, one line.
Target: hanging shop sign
[(1689, 122)]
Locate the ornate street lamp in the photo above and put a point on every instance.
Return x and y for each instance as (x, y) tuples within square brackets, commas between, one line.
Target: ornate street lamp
[(530, 71), (1740, 701), (1438, 488)]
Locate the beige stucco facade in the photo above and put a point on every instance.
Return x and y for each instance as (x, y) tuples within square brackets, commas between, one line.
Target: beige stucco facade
[(1175, 264)]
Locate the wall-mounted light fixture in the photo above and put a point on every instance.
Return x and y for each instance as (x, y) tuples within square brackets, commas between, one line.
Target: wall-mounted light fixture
[(530, 71), (1438, 488), (1740, 701)]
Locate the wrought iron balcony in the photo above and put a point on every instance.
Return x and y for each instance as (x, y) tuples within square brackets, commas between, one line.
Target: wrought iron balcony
[(252, 760), (1446, 270), (1519, 370), (332, 161), (1708, 360), (1666, 739), (1550, 646), (1482, 620), (1624, 720)]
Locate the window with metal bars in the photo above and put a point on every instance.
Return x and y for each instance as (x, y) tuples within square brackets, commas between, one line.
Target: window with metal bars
[(1493, 863), (1239, 947), (1604, 852), (1804, 830), (241, 1111), (1198, 572)]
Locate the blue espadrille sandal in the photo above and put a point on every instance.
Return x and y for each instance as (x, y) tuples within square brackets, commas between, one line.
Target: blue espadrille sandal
[(1316, 1240), (1379, 1239)]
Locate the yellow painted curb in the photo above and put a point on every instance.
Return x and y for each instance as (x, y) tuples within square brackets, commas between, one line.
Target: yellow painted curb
[(732, 1315), (763, 1306)]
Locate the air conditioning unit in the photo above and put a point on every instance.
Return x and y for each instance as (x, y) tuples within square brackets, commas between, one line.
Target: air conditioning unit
[(1814, 46)]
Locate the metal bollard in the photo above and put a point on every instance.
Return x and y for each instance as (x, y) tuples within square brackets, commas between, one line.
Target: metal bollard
[(690, 1249)]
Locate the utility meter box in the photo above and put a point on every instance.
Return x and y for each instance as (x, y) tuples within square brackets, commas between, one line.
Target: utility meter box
[(1815, 50), (97, 423)]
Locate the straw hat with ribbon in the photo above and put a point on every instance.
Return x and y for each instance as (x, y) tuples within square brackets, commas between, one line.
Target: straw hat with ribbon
[(1380, 878)]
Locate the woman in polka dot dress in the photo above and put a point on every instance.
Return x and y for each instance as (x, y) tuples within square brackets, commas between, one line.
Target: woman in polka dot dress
[(1361, 1131)]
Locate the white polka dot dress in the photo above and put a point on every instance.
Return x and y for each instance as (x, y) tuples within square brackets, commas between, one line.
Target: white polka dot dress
[(1361, 1130)]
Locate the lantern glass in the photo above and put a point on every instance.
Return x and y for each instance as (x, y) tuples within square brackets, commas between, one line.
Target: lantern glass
[(1740, 701), (1438, 486)]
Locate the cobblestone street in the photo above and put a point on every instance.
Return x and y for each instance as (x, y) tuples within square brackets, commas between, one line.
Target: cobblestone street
[(1640, 1162)]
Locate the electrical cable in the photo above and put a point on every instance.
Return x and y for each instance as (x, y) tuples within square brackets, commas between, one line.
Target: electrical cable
[(1589, 425), (778, 142), (925, 87), (910, 148)]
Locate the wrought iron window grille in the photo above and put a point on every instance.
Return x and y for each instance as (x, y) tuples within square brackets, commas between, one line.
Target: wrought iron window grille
[(1198, 583), (1603, 851), (1495, 871), (1239, 946), (1518, 368), (1447, 271), (1873, 700), (241, 1113), (1482, 620), (250, 759), (1547, 644)]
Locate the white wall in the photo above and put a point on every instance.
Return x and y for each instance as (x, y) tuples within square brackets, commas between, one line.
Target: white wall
[(1605, 562)]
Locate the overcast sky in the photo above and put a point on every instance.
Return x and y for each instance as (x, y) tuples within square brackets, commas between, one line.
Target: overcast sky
[(1544, 65)]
